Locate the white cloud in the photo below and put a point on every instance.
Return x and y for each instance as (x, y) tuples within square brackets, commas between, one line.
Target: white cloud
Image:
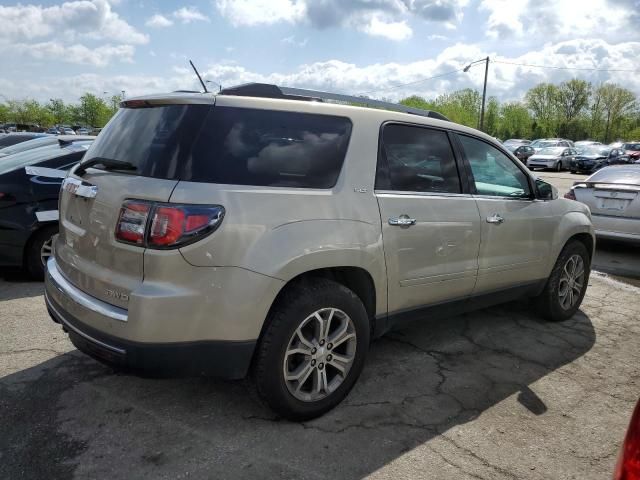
[(391, 30), (82, 19), (291, 40), (507, 82), (190, 14), (257, 12), (158, 21), (557, 19), (384, 18), (79, 54)]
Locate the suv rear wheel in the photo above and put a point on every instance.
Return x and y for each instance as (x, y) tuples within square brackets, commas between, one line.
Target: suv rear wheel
[(313, 350), (567, 283)]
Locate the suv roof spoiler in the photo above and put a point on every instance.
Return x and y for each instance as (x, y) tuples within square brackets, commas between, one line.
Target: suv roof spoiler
[(266, 90)]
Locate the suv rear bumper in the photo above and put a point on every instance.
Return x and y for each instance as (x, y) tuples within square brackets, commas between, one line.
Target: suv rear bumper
[(219, 358)]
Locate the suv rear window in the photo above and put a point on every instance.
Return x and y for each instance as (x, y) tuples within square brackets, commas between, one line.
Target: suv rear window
[(240, 146)]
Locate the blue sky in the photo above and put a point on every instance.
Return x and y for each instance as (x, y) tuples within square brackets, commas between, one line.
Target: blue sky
[(62, 49)]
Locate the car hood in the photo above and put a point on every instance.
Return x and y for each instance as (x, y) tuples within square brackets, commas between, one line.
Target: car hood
[(634, 153), (589, 157)]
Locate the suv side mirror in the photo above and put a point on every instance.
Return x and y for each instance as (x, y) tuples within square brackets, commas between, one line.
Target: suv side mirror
[(545, 191)]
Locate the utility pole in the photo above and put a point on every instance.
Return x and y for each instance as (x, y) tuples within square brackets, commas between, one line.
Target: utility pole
[(484, 93), (484, 89)]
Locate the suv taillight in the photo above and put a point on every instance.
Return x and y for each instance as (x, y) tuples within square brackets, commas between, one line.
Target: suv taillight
[(162, 225), (132, 222), (628, 467)]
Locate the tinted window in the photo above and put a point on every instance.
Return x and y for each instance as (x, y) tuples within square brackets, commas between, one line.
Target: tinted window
[(271, 148), (493, 172), (202, 143), (416, 159)]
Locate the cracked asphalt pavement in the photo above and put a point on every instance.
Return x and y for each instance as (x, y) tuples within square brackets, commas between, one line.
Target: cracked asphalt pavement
[(496, 394)]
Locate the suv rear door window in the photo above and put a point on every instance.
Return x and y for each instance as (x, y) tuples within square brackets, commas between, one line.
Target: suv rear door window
[(226, 145), (416, 159)]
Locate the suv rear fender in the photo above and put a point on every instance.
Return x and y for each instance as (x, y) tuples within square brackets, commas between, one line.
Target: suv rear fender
[(295, 248), (572, 224)]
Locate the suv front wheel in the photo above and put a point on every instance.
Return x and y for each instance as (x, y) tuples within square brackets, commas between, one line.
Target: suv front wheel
[(313, 350)]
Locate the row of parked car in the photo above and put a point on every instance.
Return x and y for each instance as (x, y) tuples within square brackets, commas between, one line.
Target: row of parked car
[(579, 157), (54, 130)]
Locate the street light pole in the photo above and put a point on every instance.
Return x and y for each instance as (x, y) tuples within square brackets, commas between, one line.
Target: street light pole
[(484, 88), (484, 93)]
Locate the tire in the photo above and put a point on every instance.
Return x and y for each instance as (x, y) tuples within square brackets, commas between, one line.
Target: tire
[(550, 303), (559, 167), (573, 172), (293, 313), (34, 259)]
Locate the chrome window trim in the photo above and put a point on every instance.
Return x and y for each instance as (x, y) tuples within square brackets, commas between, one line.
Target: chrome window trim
[(500, 197), (421, 194), (81, 298)]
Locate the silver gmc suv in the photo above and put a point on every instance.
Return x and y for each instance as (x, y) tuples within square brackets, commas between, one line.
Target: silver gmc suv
[(269, 233)]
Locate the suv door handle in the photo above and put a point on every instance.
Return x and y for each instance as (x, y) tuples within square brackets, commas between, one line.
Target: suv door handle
[(495, 218), (402, 221)]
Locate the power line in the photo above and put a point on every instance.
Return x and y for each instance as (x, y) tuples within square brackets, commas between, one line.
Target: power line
[(411, 83), (568, 68)]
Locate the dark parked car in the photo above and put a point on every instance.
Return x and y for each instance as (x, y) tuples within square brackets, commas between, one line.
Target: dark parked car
[(590, 159), (29, 188), (13, 138), (632, 149), (521, 151)]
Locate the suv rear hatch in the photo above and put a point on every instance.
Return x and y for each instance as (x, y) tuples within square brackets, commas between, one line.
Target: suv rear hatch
[(154, 138)]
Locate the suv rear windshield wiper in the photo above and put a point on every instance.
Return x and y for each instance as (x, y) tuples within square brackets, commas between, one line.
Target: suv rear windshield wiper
[(107, 163)]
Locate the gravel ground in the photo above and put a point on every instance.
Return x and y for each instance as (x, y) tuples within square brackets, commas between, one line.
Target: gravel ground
[(497, 394)]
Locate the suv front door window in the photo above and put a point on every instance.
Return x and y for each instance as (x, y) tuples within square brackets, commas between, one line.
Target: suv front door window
[(431, 231), (517, 229)]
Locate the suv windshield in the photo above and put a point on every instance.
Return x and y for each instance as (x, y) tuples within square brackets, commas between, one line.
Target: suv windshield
[(202, 143), (631, 146)]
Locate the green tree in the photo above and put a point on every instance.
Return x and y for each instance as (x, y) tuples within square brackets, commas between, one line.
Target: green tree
[(58, 110), (93, 110), (573, 98), (515, 121), (492, 117), (542, 100), (616, 103)]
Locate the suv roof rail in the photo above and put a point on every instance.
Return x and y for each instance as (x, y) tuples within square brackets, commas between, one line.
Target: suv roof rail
[(266, 90)]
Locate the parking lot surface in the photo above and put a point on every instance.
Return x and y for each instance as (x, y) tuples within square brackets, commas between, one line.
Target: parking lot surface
[(494, 394)]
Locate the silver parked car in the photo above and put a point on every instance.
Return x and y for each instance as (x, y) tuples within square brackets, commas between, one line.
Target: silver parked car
[(554, 158), (264, 232), (541, 143), (613, 195)]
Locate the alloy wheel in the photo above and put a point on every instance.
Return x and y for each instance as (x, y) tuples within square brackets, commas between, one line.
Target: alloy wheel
[(571, 282), (320, 354), (46, 250)]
